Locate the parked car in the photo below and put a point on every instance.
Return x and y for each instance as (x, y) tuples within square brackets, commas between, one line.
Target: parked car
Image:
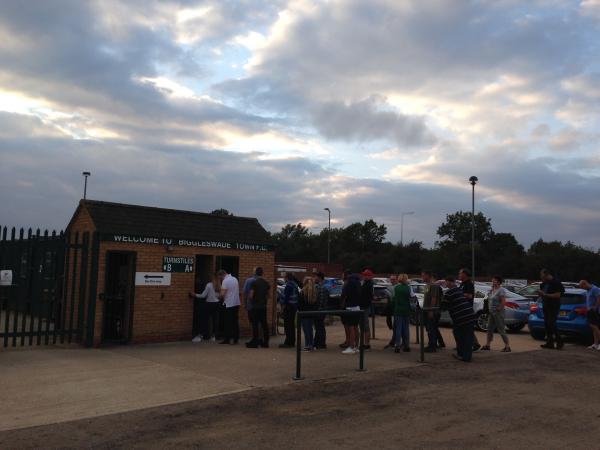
[(516, 312), (378, 281), (572, 316), (381, 298), (335, 291)]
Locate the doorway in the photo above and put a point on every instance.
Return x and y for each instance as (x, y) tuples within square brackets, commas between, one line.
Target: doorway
[(118, 297), (231, 264)]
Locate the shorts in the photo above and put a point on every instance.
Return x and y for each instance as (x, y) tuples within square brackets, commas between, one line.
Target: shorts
[(593, 317), (351, 321), (366, 312)]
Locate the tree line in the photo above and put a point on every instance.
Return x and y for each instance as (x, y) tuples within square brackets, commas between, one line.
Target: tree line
[(361, 245)]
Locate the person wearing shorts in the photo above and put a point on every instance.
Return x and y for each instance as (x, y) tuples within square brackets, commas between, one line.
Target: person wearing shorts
[(351, 300), (593, 314), (366, 302)]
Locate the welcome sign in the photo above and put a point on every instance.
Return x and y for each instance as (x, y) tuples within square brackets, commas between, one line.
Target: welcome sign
[(153, 240)]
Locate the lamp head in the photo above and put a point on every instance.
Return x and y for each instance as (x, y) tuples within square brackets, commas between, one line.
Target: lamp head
[(86, 174), (473, 180)]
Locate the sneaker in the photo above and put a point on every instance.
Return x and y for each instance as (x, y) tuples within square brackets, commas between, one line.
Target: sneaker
[(366, 348), (307, 349), (485, 348), (343, 345), (213, 340), (506, 350), (477, 347), (560, 345), (429, 350), (349, 351), (397, 350), (197, 339), (593, 347), (550, 346)]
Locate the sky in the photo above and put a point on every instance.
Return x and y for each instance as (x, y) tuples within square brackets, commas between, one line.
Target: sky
[(278, 109)]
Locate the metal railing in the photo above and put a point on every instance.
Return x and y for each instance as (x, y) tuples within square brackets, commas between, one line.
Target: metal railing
[(362, 315)]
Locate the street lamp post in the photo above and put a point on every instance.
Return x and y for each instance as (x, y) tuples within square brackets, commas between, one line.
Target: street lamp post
[(86, 175), (473, 180), (328, 235), (407, 213)]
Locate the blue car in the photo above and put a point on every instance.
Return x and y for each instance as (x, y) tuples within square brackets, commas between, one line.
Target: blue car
[(572, 320)]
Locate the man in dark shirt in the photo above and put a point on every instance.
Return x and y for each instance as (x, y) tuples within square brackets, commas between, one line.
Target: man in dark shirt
[(322, 302), (551, 290), (258, 296), (463, 319), (468, 288), (351, 302), (432, 299), (366, 300)]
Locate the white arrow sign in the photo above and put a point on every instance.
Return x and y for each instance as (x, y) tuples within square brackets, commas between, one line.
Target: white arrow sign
[(152, 279)]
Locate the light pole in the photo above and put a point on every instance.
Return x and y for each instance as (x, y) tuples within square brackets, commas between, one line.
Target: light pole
[(407, 213), (328, 235), (86, 175), (473, 180)]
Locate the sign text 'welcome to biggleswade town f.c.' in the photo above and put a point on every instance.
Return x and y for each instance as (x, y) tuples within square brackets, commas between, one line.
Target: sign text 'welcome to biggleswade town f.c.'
[(150, 240)]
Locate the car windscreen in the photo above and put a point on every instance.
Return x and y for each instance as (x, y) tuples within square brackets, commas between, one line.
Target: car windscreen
[(572, 299), (417, 289)]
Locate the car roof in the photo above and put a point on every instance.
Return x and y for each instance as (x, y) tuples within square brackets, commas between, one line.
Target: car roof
[(575, 291)]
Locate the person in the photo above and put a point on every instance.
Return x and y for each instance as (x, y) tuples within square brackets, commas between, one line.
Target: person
[(468, 288), (593, 306), (258, 297), (497, 302), (230, 293), (246, 294), (322, 304), (463, 320), (308, 302), (389, 313), (351, 301), (401, 311), (551, 290), (366, 302), (432, 299), (210, 321), (289, 308)]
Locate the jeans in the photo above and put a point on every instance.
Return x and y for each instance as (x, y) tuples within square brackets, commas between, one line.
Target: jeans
[(401, 331), (551, 309), (463, 335), (212, 319), (496, 320), (320, 333), (289, 318), (307, 327), (232, 324), (258, 317), (433, 331)]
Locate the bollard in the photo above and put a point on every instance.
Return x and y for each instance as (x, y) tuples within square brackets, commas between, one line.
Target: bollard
[(422, 338), (361, 345), (372, 325), (298, 349)]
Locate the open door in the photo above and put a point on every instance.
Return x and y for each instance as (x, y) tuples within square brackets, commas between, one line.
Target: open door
[(118, 297)]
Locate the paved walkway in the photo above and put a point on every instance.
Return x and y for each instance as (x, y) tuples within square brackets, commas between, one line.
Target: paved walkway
[(48, 385)]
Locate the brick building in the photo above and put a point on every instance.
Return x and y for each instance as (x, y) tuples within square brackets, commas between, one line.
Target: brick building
[(146, 260)]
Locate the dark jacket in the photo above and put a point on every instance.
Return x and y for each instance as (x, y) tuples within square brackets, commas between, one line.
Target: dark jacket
[(351, 291), (366, 294)]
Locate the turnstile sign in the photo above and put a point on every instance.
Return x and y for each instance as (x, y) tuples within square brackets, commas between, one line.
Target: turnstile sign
[(178, 264)]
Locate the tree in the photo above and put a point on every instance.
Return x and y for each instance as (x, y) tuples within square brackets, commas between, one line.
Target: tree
[(221, 212), (457, 228)]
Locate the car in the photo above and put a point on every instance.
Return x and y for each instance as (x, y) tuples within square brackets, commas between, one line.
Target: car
[(378, 281), (381, 298), (516, 313), (335, 286), (572, 316)]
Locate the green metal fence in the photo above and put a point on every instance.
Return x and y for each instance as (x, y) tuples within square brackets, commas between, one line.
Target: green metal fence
[(46, 302)]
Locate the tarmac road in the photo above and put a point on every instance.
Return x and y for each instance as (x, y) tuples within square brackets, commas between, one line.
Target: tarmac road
[(536, 399)]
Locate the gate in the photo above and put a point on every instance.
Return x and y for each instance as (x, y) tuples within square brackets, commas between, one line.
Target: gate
[(46, 302)]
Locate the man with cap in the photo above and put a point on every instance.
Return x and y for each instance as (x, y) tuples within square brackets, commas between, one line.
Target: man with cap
[(366, 301)]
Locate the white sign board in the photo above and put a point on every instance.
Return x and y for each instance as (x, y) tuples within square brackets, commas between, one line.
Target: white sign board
[(5, 277), (152, 279)]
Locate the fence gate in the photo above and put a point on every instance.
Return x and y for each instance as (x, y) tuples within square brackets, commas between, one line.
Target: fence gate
[(46, 301)]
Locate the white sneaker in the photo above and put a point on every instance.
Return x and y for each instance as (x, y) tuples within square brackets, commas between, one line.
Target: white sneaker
[(213, 339), (593, 347), (349, 351), (598, 347), (197, 339)]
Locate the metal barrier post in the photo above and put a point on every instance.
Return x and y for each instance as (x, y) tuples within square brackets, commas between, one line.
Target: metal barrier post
[(372, 325), (417, 323), (298, 348), (361, 344), (422, 322)]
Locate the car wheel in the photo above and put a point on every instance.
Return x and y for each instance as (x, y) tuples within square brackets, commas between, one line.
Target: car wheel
[(513, 328), (538, 335), (482, 321)]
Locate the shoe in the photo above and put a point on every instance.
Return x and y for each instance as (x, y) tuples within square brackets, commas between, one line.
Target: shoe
[(429, 350), (406, 349), (307, 349), (397, 350), (251, 344), (477, 347), (455, 356), (549, 346), (197, 339), (235, 342), (366, 348), (349, 351), (224, 342), (321, 347), (213, 340), (485, 348), (593, 347), (506, 350), (560, 345), (343, 345)]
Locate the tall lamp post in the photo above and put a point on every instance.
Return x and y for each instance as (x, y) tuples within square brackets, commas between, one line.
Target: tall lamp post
[(328, 235), (473, 180), (407, 213), (86, 175)]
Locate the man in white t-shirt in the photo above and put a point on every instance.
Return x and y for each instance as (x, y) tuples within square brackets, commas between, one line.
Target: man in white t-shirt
[(230, 293)]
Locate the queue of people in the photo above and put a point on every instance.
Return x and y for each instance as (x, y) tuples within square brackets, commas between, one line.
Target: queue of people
[(221, 297)]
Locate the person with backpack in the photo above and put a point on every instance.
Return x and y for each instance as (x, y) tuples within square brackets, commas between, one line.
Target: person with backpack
[(289, 308), (308, 302), (400, 305)]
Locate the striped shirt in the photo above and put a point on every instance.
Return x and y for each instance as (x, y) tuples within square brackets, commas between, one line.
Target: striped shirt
[(460, 309)]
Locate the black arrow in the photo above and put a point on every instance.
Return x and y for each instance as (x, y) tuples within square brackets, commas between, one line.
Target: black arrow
[(153, 276)]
